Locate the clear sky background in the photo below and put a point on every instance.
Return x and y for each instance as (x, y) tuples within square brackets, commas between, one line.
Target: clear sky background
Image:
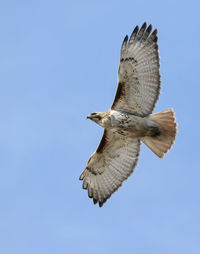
[(59, 62)]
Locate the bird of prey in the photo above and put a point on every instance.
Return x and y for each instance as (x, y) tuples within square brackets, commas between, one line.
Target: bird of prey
[(129, 120)]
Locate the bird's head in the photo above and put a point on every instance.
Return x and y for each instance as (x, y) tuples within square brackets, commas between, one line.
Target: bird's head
[(96, 117)]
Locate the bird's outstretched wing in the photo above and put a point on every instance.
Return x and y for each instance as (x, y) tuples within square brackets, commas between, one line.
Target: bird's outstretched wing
[(111, 164), (138, 76)]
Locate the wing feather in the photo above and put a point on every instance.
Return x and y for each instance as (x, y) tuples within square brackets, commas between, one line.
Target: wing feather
[(133, 35), (147, 33), (108, 167), (141, 32), (139, 75), (124, 43)]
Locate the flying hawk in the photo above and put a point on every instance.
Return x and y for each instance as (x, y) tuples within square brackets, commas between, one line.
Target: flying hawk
[(129, 120)]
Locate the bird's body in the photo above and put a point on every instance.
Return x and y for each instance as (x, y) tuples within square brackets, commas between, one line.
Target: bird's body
[(127, 124), (129, 120)]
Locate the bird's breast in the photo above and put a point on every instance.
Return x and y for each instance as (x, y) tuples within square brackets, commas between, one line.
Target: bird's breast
[(127, 124)]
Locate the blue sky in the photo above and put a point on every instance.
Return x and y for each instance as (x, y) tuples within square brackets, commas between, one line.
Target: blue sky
[(59, 62)]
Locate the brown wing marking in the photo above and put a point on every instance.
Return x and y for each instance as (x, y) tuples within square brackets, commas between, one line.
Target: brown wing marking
[(102, 143), (119, 94)]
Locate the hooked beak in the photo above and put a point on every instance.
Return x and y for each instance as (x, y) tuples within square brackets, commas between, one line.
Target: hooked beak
[(88, 117)]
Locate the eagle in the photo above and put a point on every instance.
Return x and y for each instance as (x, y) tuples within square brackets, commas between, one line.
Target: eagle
[(130, 121)]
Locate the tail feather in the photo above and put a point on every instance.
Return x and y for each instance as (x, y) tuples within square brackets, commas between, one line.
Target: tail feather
[(162, 143)]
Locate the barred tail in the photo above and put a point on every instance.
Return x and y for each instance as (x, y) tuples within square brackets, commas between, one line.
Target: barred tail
[(162, 143)]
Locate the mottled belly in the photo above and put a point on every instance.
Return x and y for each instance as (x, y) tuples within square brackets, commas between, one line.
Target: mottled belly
[(131, 127), (131, 132)]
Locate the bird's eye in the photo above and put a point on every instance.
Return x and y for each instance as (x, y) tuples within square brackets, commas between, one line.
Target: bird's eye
[(93, 114)]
